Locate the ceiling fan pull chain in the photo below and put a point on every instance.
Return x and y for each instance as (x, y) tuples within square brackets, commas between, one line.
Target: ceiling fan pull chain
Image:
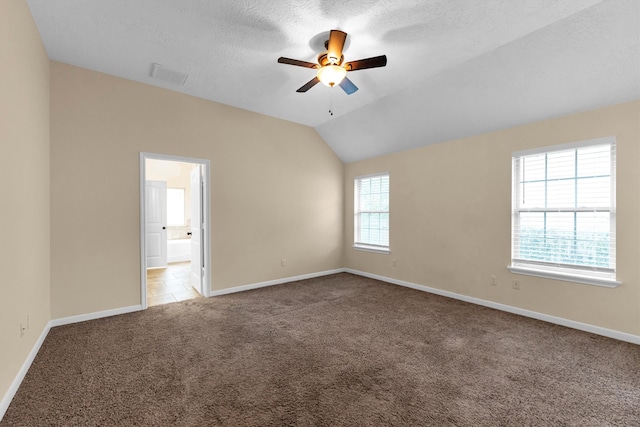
[(331, 102)]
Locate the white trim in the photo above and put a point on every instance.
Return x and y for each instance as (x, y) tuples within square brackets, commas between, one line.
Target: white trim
[(568, 146), (622, 336), (371, 175), (95, 315), (15, 384), (357, 244), (567, 277), (206, 204), (143, 250), (545, 268), (373, 249), (13, 388), (174, 259), (251, 286)]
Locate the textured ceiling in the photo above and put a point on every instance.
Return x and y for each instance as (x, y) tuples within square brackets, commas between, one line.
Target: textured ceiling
[(455, 67)]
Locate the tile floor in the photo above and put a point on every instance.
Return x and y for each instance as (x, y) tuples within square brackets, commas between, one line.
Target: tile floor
[(170, 284)]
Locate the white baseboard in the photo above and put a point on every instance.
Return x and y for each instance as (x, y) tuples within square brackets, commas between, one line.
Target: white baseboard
[(274, 282), (179, 258), (13, 388), (621, 336), (96, 315)]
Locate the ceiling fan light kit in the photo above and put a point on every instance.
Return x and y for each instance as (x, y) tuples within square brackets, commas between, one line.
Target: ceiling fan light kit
[(331, 70), (331, 75)]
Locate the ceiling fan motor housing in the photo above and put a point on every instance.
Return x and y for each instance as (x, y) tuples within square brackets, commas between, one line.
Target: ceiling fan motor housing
[(324, 59)]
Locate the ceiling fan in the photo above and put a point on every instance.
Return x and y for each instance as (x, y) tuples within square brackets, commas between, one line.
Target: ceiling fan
[(332, 70)]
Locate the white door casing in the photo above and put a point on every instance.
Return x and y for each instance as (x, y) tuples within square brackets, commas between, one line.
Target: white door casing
[(197, 229), (156, 223), (205, 242)]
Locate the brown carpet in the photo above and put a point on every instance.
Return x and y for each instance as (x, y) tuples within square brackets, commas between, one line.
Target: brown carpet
[(332, 351)]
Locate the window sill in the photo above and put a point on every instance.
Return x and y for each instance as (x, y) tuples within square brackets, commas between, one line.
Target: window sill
[(372, 249), (567, 277)]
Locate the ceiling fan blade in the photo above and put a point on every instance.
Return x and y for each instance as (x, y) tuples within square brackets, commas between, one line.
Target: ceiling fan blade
[(297, 62), (335, 45), (348, 86), (311, 83), (361, 64)]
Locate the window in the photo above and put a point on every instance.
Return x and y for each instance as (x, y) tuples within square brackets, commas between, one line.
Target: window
[(175, 207), (563, 223), (371, 208)]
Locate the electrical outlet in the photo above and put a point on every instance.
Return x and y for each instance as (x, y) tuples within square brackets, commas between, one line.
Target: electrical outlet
[(516, 285), (283, 262), (494, 281), (395, 263)]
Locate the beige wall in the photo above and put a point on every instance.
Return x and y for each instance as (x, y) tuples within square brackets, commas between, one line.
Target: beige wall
[(450, 219), (24, 189), (70, 229), (276, 188)]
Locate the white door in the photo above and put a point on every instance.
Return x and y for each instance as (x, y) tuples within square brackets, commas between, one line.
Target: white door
[(197, 256), (156, 223)]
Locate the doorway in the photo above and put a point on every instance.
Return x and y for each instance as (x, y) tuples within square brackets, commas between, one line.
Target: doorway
[(174, 224)]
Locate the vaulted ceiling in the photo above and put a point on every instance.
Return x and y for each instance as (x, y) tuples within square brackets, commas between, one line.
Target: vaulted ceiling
[(455, 67)]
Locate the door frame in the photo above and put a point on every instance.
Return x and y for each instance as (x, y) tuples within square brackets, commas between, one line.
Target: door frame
[(206, 212)]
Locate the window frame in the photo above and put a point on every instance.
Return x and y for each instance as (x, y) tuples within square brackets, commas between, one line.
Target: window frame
[(385, 249), (184, 207), (590, 275)]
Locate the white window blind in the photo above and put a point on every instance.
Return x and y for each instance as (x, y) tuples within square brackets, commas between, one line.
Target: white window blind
[(371, 208), (564, 209)]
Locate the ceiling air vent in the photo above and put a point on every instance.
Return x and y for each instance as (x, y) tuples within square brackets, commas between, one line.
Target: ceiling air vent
[(163, 73)]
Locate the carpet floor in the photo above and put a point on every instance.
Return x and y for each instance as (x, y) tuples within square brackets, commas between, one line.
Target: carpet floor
[(339, 350)]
